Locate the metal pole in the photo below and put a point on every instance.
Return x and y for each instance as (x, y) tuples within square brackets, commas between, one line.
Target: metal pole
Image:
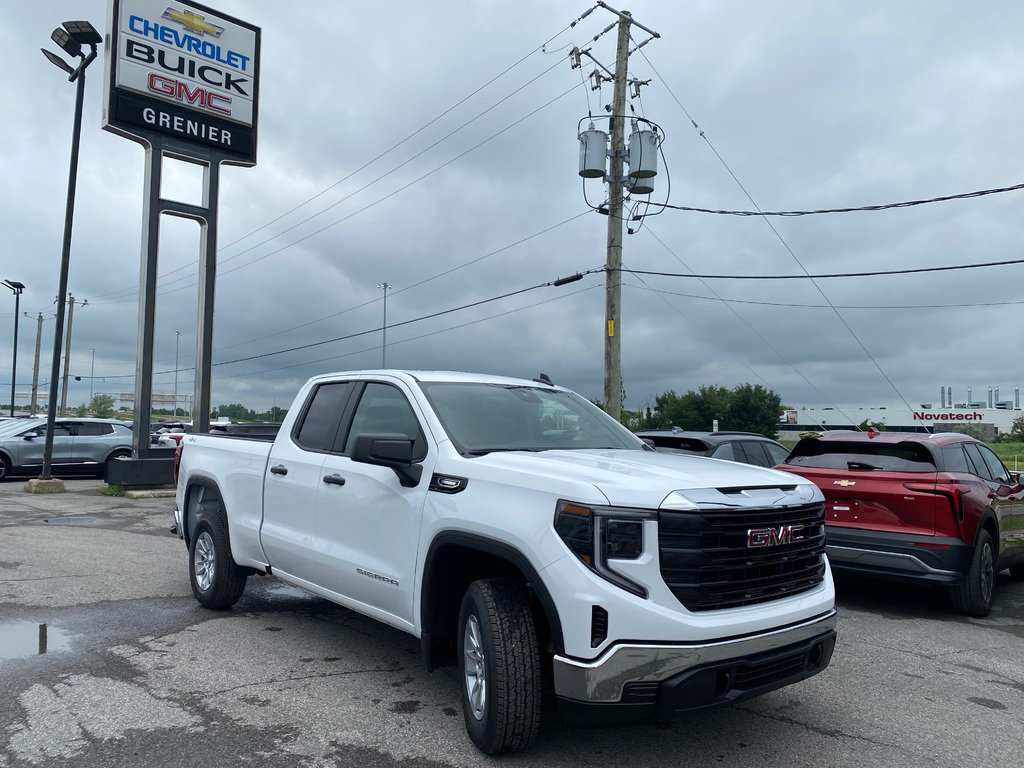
[(613, 277), (147, 303), (14, 362), (35, 366), (67, 357), (384, 327), (201, 404), (92, 374), (176, 335), (65, 262)]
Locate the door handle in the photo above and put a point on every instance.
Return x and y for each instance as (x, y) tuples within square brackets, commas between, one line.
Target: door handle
[(334, 479), (279, 469)]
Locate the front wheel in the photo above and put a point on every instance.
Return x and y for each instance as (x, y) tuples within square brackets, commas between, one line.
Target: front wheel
[(5, 467), (974, 595), (216, 581), (501, 688)]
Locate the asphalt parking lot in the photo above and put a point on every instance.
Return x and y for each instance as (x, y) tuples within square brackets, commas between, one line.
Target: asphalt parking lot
[(136, 673)]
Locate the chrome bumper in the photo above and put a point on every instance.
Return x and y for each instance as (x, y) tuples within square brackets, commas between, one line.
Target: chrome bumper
[(602, 680)]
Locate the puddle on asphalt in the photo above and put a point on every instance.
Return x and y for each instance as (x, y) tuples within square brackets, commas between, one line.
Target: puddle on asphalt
[(287, 590), (22, 639), (73, 520)]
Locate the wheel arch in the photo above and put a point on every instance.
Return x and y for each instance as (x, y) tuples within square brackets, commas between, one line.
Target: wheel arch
[(202, 499), (453, 561), (989, 522)]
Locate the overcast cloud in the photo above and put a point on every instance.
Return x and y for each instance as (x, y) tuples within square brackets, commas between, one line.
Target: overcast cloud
[(811, 104)]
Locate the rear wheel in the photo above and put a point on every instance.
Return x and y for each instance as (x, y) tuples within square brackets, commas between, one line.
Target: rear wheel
[(974, 596), (1017, 571), (5, 467), (500, 659), (217, 582)]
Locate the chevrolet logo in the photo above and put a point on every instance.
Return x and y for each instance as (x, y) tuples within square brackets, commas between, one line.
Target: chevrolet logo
[(193, 22), (844, 483)]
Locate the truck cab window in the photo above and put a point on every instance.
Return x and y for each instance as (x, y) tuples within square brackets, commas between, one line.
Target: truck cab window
[(322, 418)]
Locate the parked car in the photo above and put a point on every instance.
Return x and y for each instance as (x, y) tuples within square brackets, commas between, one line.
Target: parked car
[(935, 508), (78, 444), (745, 447)]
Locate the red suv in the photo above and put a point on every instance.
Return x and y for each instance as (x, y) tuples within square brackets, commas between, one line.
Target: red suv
[(939, 508)]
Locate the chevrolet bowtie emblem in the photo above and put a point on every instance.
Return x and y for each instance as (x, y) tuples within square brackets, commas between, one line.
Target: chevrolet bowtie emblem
[(844, 483), (193, 22)]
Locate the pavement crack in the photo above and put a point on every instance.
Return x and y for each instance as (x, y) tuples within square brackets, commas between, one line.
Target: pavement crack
[(304, 677), (832, 733)]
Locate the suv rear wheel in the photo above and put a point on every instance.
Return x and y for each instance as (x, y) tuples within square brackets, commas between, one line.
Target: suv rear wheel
[(974, 595)]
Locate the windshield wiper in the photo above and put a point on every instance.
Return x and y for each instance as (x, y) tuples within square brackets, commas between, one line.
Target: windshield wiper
[(860, 465)]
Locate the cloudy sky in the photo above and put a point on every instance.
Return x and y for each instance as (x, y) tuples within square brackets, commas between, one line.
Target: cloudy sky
[(387, 154)]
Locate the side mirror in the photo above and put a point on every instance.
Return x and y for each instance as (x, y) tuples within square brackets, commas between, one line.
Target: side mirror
[(389, 450), (31, 436), (649, 443)]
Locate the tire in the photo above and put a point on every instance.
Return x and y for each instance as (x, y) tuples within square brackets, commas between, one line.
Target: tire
[(1017, 571), (501, 690), (974, 596), (5, 467), (121, 452), (216, 581)]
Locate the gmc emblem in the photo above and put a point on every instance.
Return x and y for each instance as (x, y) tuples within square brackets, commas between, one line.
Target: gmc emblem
[(773, 537)]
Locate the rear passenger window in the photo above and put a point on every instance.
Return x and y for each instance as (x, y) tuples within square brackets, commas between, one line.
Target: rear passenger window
[(726, 452), (976, 462), (954, 459), (92, 429), (996, 469), (755, 453), (323, 416)]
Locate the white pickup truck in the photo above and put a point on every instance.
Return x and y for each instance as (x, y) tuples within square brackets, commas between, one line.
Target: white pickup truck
[(517, 530)]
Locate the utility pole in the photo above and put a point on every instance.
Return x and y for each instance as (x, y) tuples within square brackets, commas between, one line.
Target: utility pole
[(35, 367), (613, 275), (67, 355), (177, 334)]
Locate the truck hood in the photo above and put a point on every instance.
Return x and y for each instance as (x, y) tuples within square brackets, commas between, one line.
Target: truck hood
[(632, 478)]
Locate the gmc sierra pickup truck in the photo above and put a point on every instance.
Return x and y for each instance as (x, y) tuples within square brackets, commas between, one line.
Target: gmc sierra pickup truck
[(517, 530)]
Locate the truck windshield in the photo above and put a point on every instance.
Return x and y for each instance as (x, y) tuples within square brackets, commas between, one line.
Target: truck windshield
[(481, 418)]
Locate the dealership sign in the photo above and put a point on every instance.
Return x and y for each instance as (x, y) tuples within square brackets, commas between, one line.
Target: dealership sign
[(184, 71)]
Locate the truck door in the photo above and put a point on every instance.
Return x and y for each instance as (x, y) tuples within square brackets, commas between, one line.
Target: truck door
[(367, 523), (292, 481)]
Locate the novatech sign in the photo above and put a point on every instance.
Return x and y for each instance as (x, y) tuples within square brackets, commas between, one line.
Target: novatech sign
[(186, 71), (946, 416)]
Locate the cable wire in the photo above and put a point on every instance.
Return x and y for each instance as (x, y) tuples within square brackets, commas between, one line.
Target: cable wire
[(831, 275), (879, 207)]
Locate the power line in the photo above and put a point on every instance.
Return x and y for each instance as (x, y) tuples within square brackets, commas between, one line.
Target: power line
[(826, 276), (798, 305), (441, 313), (779, 236), (370, 162), (880, 207), (375, 202)]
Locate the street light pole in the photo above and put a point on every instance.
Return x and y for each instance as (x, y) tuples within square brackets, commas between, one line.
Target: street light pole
[(176, 335), (92, 374), (17, 287), (384, 327), (71, 38)]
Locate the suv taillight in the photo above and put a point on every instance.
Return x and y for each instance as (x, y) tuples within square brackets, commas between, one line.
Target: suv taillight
[(951, 488), (177, 461)]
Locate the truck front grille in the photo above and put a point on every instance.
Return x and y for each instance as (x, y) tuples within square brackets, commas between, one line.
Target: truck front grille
[(708, 565)]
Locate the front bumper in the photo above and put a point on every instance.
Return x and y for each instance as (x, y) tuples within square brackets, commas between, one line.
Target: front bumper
[(631, 682)]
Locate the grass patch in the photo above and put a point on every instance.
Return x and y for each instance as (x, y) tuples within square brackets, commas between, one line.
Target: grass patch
[(112, 490)]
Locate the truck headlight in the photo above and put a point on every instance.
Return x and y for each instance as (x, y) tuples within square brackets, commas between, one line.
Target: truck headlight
[(598, 534)]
